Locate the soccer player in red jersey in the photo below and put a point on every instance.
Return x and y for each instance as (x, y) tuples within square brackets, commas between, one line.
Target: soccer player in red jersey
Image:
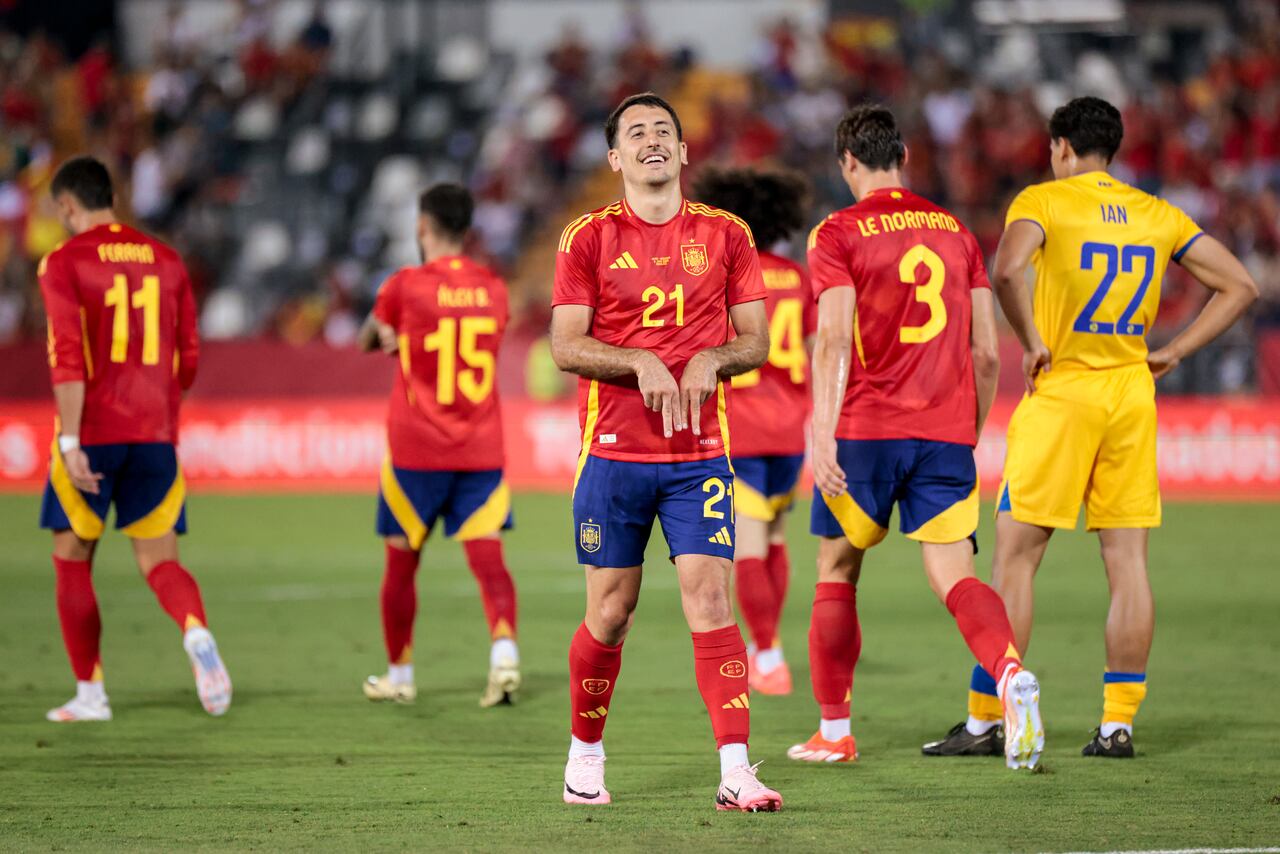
[(444, 319), (770, 405), (647, 290), (122, 349), (904, 374)]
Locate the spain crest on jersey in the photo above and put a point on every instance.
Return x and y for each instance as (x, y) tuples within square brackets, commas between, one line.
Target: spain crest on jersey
[(589, 537), (694, 258)]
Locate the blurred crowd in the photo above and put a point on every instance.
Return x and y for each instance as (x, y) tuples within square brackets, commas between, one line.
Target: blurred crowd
[(1202, 129)]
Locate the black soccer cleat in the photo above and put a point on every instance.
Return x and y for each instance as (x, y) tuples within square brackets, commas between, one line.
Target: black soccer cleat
[(1118, 746), (961, 742)]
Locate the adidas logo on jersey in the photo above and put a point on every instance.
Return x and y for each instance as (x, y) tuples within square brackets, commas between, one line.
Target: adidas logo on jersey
[(722, 537), (624, 262)]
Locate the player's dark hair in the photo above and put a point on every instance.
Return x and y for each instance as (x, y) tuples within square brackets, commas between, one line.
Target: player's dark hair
[(772, 202), (640, 99), (450, 207), (1090, 124), (87, 179), (870, 133)]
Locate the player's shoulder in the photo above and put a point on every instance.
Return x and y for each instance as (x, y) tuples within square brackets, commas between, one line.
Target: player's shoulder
[(833, 224), (773, 261), (719, 218), (588, 222)]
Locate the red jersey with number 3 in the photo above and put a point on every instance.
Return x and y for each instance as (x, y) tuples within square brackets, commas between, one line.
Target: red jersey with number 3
[(449, 316), (122, 319), (664, 288), (770, 404), (913, 268)]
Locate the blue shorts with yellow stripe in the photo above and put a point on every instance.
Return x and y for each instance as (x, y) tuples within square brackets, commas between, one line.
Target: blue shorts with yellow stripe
[(934, 484), (765, 487), (615, 503), (474, 504), (142, 480)]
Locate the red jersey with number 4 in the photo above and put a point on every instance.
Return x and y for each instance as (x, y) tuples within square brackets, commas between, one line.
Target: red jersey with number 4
[(449, 316), (664, 288), (122, 319), (913, 268), (770, 404)]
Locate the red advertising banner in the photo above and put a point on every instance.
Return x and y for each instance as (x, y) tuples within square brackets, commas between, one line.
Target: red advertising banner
[(1209, 448)]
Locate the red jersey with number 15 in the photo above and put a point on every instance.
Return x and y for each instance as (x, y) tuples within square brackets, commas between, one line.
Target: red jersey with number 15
[(122, 319), (913, 268), (770, 404), (449, 316), (665, 288)]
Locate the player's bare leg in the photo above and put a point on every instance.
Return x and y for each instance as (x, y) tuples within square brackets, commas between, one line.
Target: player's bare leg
[(179, 595), (595, 658), (720, 664), (1130, 627), (980, 615), (398, 600), (81, 629), (835, 642)]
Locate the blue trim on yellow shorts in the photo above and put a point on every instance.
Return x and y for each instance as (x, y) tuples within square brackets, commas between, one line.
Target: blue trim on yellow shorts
[(615, 504), (933, 484), (472, 503), (142, 480)]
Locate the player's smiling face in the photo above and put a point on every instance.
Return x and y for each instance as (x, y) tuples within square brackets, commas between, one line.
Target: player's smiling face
[(647, 150)]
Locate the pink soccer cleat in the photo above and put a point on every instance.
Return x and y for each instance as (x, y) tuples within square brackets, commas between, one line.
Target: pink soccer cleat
[(584, 781), (741, 790)]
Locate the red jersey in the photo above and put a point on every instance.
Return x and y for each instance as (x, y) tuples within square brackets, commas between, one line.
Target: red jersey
[(664, 288), (123, 320), (449, 316), (770, 404), (912, 266)]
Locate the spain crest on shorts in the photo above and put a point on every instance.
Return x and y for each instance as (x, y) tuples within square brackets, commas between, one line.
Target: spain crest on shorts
[(589, 537), (693, 258)]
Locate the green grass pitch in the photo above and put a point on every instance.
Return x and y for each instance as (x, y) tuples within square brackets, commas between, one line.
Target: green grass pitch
[(304, 761)]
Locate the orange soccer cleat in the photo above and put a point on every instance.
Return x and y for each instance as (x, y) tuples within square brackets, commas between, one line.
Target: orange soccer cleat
[(818, 749)]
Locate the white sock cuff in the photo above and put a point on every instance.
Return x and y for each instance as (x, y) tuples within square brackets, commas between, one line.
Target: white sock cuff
[(834, 729), (731, 756), (578, 747)]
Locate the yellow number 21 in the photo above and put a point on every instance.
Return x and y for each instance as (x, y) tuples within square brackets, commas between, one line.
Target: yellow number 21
[(654, 294), (146, 298)]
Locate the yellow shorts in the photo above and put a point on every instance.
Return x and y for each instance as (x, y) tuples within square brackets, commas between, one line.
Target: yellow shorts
[(1085, 437)]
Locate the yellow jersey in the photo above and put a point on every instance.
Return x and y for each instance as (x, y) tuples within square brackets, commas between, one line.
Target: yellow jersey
[(1098, 274)]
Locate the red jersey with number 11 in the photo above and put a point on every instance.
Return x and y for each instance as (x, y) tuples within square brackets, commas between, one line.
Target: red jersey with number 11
[(913, 268), (449, 316), (122, 319)]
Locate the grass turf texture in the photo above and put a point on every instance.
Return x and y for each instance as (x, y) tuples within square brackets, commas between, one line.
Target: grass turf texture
[(304, 761)]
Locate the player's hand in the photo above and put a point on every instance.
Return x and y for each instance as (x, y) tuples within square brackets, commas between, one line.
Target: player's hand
[(387, 340), (661, 394), (827, 474), (1035, 361), (697, 383), (77, 463), (1162, 361)]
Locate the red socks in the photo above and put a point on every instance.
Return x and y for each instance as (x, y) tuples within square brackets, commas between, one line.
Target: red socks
[(757, 600), (835, 641), (496, 587), (178, 593), (593, 670), (780, 574), (980, 614), (720, 663), (399, 604), (78, 614)]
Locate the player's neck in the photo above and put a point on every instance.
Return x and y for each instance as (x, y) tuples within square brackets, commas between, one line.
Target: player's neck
[(1085, 165), (435, 250), (868, 182), (654, 205), (89, 220)]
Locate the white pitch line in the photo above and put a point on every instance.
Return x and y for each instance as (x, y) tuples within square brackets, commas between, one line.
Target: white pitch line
[(1188, 851)]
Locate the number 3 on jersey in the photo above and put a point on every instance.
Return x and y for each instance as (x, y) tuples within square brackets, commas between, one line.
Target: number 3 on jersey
[(456, 338)]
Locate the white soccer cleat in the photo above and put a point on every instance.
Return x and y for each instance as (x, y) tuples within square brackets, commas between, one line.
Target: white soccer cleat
[(1023, 729), (76, 710), (584, 781), (741, 790), (504, 681), (213, 683), (382, 689)]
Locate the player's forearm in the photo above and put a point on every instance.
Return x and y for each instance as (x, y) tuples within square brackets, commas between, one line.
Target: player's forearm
[(986, 377), (1222, 310), (1016, 305), (744, 353), (595, 360), (830, 377), (69, 399), (367, 338)]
